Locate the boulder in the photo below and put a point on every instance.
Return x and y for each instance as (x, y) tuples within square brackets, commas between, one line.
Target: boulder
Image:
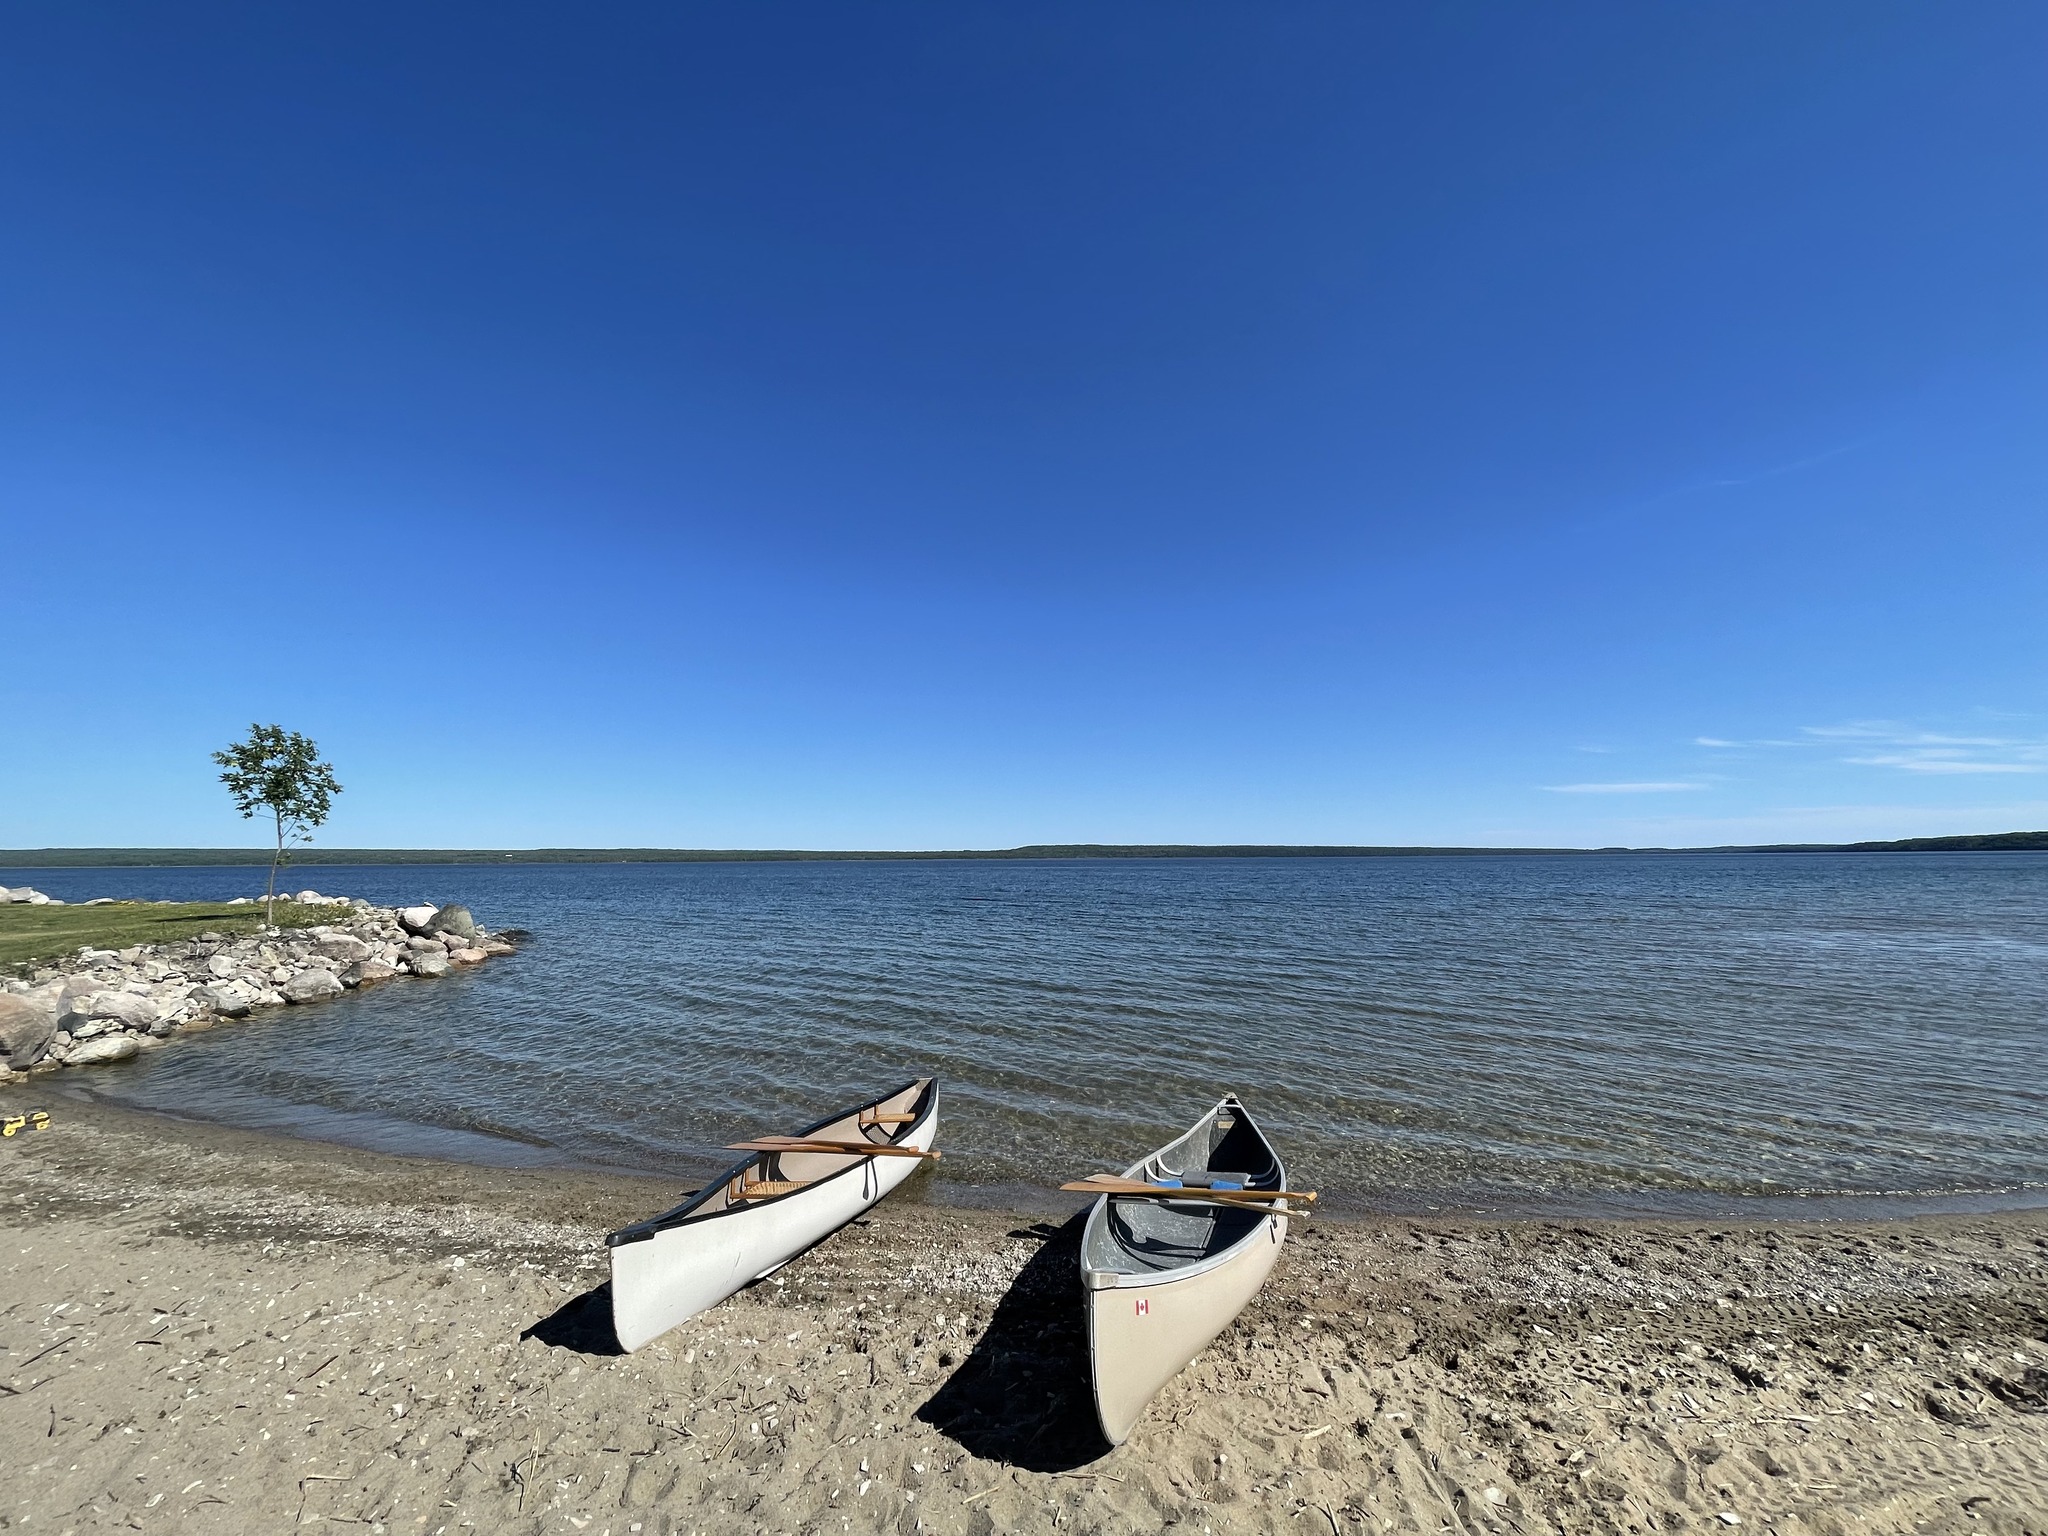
[(37, 899), (229, 1001), (344, 947), (364, 971), (495, 946), (310, 986), (6, 895), (25, 1032), (467, 956), (453, 918), (415, 919), (224, 966), (430, 962), (106, 1048), (130, 1009)]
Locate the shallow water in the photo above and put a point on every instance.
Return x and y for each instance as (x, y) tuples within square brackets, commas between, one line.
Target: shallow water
[(1597, 1033)]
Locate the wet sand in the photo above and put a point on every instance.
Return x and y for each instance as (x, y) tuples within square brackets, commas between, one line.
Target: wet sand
[(208, 1330)]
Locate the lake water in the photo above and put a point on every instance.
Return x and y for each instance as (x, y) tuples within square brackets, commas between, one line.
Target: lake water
[(1688, 1034)]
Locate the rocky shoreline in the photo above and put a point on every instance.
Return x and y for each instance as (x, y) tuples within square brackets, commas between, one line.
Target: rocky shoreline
[(103, 1005)]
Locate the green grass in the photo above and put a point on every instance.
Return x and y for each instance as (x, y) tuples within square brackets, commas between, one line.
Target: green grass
[(41, 934)]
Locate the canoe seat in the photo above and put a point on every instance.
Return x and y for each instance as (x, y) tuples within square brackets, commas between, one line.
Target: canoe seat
[(872, 1118), (760, 1189)]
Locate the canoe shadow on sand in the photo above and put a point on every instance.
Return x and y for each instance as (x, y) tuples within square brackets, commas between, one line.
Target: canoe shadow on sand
[(1023, 1396), (582, 1323)]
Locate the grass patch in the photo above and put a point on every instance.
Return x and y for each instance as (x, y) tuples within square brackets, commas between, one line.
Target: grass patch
[(31, 935)]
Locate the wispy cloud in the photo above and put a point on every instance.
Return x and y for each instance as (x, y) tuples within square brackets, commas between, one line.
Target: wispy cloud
[(1907, 748), (1931, 762), (1657, 788)]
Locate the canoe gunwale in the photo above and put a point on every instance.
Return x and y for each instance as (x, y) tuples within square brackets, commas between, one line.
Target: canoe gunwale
[(688, 1212)]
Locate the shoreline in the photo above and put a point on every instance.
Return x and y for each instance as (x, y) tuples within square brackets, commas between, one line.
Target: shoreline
[(433, 1358), (1018, 1196)]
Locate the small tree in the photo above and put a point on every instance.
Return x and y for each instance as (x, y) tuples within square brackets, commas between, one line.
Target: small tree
[(279, 771)]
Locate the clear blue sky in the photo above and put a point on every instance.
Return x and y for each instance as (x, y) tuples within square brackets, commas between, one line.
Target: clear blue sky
[(969, 424)]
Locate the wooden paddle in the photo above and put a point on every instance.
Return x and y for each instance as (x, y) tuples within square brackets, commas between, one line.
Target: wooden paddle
[(1123, 1182), (1112, 1184), (816, 1144)]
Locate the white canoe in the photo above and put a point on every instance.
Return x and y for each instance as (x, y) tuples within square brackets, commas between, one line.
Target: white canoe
[(763, 1212), (1161, 1278)]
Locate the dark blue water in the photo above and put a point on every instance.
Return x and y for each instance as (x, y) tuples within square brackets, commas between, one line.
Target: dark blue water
[(1596, 1033)]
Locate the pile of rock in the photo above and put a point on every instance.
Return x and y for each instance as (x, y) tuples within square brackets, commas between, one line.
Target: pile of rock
[(28, 896), (107, 1005)]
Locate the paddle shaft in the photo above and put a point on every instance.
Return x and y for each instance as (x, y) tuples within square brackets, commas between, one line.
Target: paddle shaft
[(814, 1144), (1246, 1199), (1221, 1201)]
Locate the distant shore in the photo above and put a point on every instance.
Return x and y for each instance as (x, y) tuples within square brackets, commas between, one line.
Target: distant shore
[(228, 1331), (173, 858)]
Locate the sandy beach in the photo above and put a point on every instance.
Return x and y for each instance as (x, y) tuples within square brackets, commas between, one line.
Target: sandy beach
[(208, 1330)]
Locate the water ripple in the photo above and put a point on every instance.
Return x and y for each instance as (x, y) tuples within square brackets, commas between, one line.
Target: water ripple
[(1638, 1032)]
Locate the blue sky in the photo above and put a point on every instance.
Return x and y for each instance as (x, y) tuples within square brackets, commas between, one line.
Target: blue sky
[(968, 425)]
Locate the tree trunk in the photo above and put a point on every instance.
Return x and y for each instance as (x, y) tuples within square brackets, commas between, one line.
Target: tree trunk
[(270, 895)]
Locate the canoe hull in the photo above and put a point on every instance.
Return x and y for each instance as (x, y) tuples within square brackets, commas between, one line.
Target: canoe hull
[(1142, 1335), (1161, 1278), (671, 1274)]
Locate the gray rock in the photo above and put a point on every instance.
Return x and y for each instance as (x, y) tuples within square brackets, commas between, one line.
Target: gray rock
[(230, 1002), (430, 962), (25, 1032), (467, 956), (106, 1048), (310, 898), (415, 919), (130, 1009), (342, 946), (311, 986), (453, 918), (223, 966), (367, 971), (495, 947)]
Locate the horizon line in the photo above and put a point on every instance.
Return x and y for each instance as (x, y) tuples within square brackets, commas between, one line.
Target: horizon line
[(113, 857)]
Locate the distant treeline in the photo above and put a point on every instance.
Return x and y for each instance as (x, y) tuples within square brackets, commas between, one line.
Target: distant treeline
[(59, 858)]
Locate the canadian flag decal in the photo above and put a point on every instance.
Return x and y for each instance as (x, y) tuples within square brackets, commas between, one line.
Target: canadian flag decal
[(1144, 1307)]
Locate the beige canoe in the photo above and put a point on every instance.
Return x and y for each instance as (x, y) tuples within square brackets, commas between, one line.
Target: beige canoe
[(1161, 1277)]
